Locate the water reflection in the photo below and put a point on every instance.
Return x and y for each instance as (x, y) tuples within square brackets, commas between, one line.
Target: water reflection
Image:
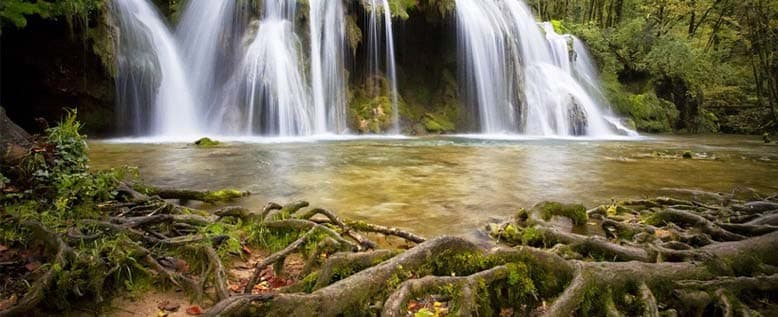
[(450, 185)]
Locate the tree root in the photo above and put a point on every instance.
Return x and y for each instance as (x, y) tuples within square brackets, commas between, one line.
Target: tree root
[(367, 227), (341, 265), (37, 292), (685, 217), (395, 305), (276, 257), (219, 275), (689, 258)]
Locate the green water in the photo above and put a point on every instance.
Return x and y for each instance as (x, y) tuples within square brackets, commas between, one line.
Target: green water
[(437, 186)]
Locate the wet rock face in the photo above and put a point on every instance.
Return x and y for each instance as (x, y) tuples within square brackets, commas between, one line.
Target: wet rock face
[(11, 136), (46, 68), (578, 120)]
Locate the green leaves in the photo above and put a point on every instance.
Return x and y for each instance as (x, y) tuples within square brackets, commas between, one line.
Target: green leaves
[(16, 12)]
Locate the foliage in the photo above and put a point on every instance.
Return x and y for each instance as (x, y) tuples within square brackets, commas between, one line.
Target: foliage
[(16, 12), (61, 190), (708, 58)]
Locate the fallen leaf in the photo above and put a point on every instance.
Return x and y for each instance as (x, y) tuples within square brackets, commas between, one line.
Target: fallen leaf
[(7, 303), (182, 266), (32, 266), (3, 248), (236, 288), (194, 310), (162, 313), (413, 305), (277, 282)]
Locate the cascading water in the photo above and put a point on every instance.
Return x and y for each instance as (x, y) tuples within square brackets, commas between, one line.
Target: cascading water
[(516, 79), (486, 69), (261, 89), (327, 31), (274, 87), (374, 53), (207, 34), (505, 58), (152, 89)]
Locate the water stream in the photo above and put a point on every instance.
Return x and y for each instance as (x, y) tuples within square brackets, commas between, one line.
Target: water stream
[(455, 184)]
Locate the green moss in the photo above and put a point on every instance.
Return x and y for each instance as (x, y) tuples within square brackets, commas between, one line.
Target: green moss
[(353, 34), (531, 236), (224, 195), (435, 123), (309, 281), (206, 143), (368, 113), (575, 212), (559, 27), (272, 240), (647, 112)]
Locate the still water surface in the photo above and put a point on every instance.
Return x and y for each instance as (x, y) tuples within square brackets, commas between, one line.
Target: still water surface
[(450, 185)]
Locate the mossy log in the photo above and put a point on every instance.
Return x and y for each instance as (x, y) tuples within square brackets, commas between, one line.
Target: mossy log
[(222, 195)]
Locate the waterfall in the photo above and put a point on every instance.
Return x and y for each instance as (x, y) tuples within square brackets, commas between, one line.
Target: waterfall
[(520, 79), (486, 68), (152, 89), (328, 82), (222, 74), (207, 34), (274, 89), (374, 54)]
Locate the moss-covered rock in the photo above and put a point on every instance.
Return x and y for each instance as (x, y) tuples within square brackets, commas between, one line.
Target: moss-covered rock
[(648, 112), (436, 123), (574, 212), (206, 143), (370, 109)]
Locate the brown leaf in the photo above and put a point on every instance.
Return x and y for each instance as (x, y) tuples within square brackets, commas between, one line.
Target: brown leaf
[(182, 266), (413, 305), (8, 303), (194, 310), (32, 266), (235, 287)]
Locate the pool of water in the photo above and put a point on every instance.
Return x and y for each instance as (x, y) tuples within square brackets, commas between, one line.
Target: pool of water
[(448, 185)]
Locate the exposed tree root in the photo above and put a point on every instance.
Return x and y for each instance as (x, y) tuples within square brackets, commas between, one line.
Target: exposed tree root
[(274, 258), (37, 292), (653, 257), (395, 305)]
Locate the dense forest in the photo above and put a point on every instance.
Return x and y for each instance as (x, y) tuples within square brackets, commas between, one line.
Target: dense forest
[(670, 66)]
